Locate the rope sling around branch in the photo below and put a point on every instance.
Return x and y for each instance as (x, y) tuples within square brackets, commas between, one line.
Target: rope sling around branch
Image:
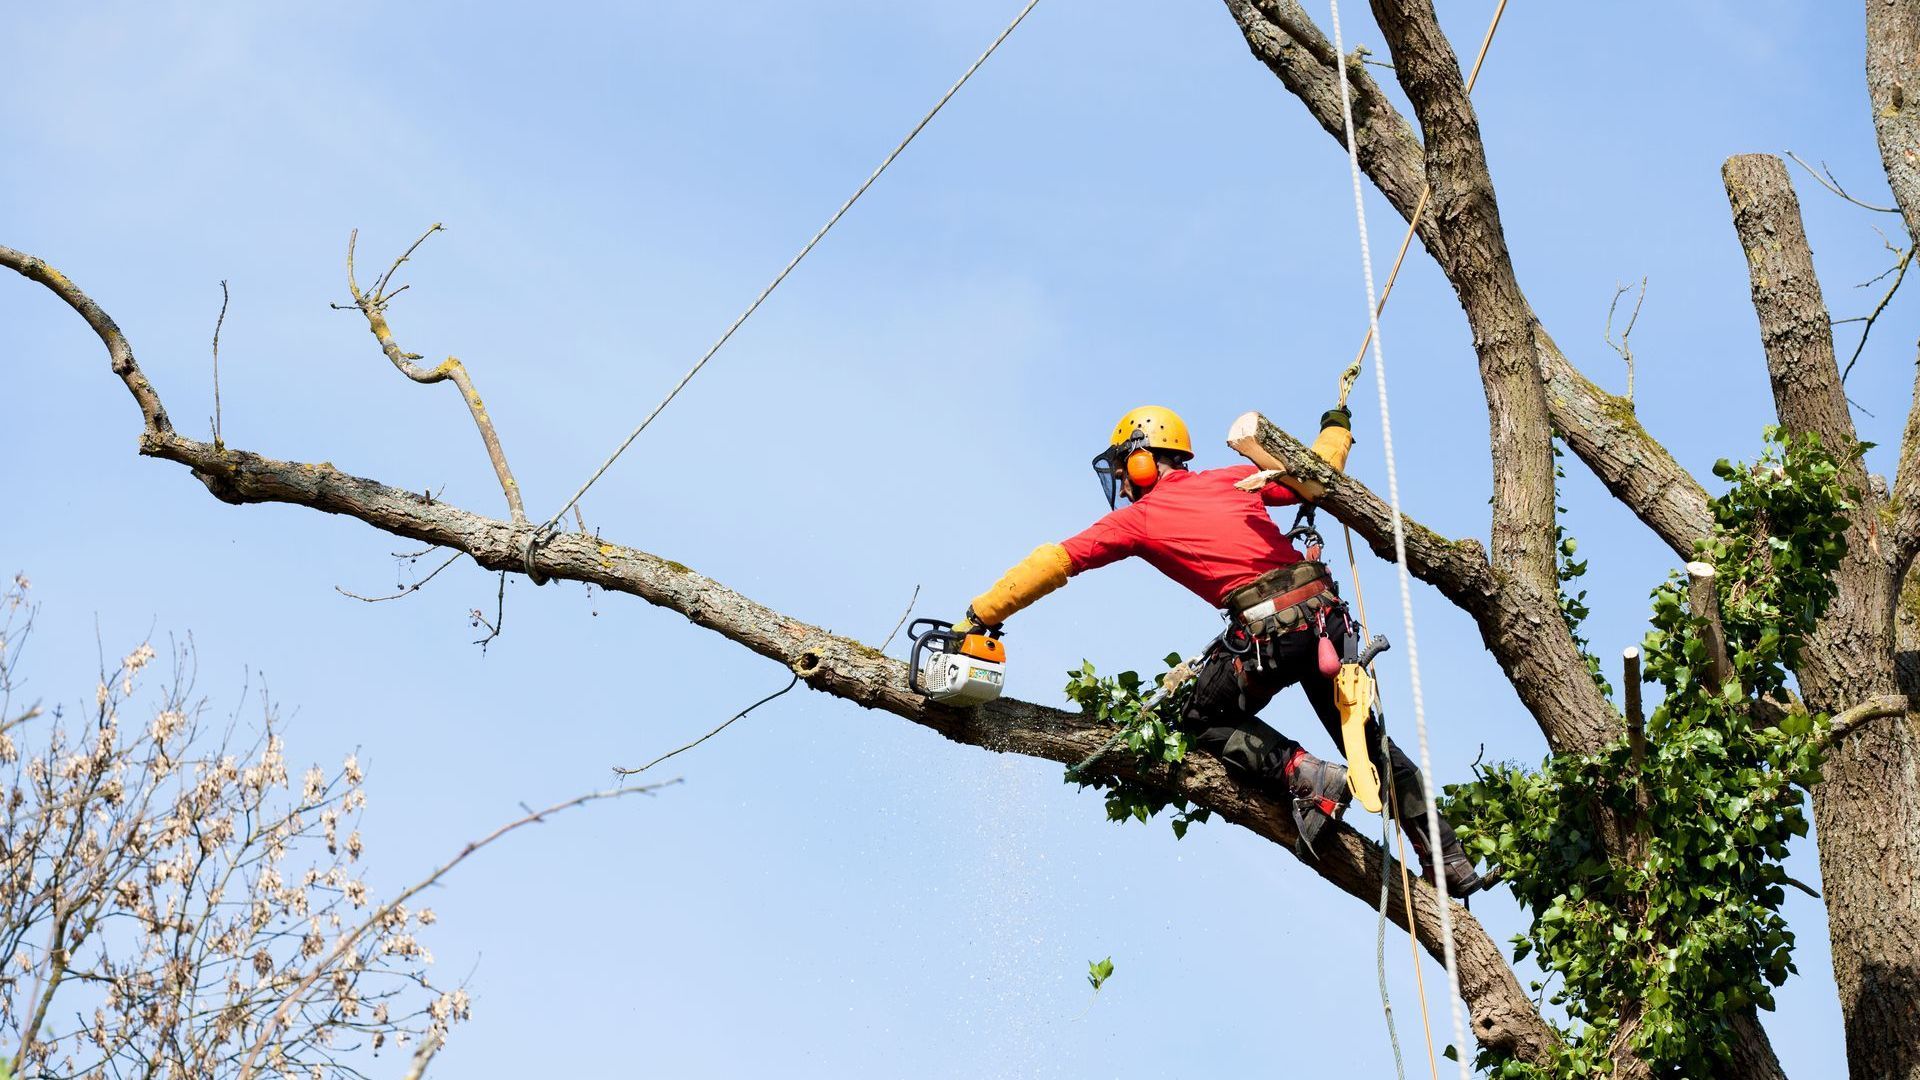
[(1400, 553), (546, 527)]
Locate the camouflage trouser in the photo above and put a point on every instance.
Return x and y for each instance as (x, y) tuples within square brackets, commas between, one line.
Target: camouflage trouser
[(1222, 717)]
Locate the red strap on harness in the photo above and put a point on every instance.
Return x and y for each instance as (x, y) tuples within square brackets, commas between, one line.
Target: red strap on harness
[(1288, 599)]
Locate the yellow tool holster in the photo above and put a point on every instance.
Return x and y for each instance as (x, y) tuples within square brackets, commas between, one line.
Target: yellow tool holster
[(1353, 695)]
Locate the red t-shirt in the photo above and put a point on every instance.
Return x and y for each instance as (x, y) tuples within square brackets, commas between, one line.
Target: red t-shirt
[(1196, 528)]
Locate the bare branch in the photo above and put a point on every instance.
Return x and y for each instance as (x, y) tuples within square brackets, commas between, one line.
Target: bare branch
[(911, 600), (1832, 184), (217, 324), (791, 683), (273, 1026), (409, 590), (119, 352), (499, 616), (373, 305), (380, 293), (1899, 272), (1624, 346)]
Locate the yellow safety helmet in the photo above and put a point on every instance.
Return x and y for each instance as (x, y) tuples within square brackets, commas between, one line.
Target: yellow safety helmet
[(1129, 456), (1163, 428)]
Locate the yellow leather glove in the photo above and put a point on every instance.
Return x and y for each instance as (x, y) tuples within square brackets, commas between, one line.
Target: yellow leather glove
[(1335, 438), (1030, 579)]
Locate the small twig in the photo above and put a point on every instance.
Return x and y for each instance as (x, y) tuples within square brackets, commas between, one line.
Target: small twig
[(218, 443), (903, 619), (581, 520), (380, 293), (499, 616), (1900, 274), (409, 590), (1802, 886), (1831, 184), (271, 1029), (1625, 348), (631, 772)]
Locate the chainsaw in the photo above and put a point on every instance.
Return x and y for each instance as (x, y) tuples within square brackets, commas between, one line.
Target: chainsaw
[(954, 668)]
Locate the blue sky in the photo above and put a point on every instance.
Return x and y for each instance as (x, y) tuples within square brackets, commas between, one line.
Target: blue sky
[(1123, 207)]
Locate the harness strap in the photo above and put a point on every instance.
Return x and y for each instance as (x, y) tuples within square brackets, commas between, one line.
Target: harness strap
[(1276, 604)]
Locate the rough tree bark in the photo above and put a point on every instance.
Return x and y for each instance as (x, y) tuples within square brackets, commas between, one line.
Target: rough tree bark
[(1868, 804), (1598, 426), (1503, 1017)]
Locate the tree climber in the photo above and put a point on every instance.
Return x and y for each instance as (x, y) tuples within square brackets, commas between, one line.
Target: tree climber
[(1204, 532)]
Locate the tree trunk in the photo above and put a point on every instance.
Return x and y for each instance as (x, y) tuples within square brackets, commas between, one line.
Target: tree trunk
[(1867, 805)]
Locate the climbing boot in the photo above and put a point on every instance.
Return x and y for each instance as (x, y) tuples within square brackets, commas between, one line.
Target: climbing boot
[(1462, 879), (1320, 795)]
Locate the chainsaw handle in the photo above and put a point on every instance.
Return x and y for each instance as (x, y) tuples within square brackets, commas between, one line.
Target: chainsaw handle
[(937, 629), (1374, 648)]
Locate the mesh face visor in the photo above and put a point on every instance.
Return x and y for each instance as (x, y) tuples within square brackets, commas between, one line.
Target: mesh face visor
[(1111, 465)]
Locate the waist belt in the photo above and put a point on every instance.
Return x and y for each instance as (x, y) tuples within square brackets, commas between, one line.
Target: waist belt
[(1273, 600), (1276, 604)]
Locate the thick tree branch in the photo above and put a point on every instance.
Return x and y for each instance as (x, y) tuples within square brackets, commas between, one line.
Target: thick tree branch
[(1520, 625), (1794, 326), (1464, 209), (1893, 89), (153, 416), (1797, 335), (1504, 1018), (1285, 39), (1867, 804), (1600, 427)]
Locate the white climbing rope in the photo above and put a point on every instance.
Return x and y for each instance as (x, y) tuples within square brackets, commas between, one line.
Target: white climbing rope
[(782, 275), (1400, 558)]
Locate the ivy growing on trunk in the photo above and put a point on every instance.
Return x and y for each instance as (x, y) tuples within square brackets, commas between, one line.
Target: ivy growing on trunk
[(1679, 928)]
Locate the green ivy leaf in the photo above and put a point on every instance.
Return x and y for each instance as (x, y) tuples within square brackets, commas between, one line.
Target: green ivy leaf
[(1098, 972)]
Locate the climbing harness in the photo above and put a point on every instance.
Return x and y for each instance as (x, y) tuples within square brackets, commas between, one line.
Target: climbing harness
[(1400, 537), (542, 533), (1352, 374)]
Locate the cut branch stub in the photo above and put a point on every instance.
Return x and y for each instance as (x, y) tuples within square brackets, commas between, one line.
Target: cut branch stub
[(1706, 608), (1636, 716)]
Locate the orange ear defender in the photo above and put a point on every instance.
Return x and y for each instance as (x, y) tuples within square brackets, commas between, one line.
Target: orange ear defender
[(1142, 469)]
